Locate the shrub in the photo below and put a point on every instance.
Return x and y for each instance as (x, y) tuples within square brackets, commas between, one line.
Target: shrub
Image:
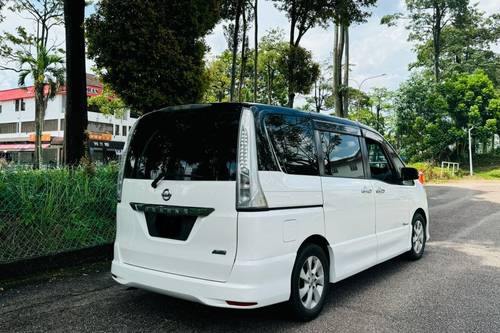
[(50, 211)]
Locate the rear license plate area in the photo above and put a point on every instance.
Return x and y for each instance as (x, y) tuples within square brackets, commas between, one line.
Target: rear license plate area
[(168, 226)]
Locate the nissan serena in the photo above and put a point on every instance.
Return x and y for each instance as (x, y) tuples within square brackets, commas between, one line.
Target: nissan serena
[(247, 205)]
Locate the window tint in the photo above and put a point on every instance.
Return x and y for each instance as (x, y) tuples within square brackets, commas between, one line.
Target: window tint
[(395, 159), (292, 140), (342, 155), (185, 145), (380, 167)]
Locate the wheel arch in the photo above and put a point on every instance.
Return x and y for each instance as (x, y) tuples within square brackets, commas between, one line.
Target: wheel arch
[(421, 211), (426, 220), (322, 242)]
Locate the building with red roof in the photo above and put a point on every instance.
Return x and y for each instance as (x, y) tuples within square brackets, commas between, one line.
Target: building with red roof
[(17, 125)]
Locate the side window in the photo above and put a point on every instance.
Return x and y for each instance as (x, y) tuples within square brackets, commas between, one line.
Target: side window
[(378, 161), (398, 164), (293, 143), (395, 160), (342, 155)]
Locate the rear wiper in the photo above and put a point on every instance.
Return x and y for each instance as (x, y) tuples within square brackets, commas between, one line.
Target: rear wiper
[(155, 182)]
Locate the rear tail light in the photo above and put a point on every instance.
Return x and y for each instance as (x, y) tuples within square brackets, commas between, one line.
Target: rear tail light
[(249, 193), (123, 160)]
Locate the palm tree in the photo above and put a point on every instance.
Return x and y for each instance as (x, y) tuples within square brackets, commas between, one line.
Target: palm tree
[(47, 70)]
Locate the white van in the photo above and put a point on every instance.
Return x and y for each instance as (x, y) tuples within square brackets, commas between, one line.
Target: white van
[(247, 205)]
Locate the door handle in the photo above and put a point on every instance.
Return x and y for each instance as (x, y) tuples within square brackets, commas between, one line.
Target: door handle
[(380, 190), (366, 189)]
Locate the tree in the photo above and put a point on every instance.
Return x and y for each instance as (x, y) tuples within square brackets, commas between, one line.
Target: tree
[(219, 78), (381, 100), (231, 10), (273, 81), (246, 16), (108, 103), (466, 45), (303, 74), (472, 101), (426, 21), (76, 86), (303, 15), (151, 53), (322, 92), (432, 119), (346, 13), (29, 55)]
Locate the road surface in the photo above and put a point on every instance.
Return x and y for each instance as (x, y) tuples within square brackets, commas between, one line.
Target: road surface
[(454, 288)]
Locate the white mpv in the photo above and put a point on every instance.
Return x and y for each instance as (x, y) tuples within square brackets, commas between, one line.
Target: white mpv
[(247, 205)]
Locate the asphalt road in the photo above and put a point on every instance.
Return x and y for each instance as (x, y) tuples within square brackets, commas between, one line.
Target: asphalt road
[(455, 287)]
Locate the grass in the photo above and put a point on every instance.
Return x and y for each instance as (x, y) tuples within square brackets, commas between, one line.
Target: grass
[(433, 173), (488, 173), (485, 167), (44, 212)]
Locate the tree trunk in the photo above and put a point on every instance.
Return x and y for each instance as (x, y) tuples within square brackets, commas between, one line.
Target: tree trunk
[(235, 49), (39, 117), (377, 125), (256, 53), (291, 58), (345, 88), (269, 85), (436, 34), (76, 85), (243, 54), (337, 68)]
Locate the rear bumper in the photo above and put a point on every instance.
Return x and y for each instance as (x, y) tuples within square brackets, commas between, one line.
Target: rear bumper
[(264, 282)]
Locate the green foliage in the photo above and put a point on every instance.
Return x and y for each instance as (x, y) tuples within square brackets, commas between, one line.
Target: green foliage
[(218, 74), (151, 52), (304, 71), (432, 119), (490, 174), (272, 80), (451, 37), (108, 103), (434, 172), (51, 211), (364, 116)]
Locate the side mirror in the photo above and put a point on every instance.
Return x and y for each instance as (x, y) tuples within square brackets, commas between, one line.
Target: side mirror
[(409, 173)]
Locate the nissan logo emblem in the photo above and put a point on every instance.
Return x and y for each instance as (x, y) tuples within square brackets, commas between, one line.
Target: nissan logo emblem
[(166, 195)]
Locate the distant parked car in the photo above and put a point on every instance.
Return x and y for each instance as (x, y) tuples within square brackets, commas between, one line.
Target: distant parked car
[(247, 205)]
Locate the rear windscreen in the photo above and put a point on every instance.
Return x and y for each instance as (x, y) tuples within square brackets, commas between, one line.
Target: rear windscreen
[(185, 145)]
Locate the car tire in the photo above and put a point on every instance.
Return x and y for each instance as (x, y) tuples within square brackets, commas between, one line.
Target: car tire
[(310, 282), (418, 237)]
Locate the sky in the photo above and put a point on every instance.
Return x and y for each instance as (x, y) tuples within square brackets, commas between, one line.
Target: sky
[(374, 49)]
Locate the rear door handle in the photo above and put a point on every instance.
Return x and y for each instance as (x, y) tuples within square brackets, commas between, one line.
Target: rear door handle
[(380, 190), (366, 189)]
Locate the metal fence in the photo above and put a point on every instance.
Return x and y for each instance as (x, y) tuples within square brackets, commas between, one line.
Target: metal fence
[(44, 212)]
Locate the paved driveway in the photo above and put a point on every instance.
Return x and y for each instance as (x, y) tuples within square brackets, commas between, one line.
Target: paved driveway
[(454, 288)]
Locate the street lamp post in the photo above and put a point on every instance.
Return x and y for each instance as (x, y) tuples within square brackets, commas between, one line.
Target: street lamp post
[(369, 78), (470, 152)]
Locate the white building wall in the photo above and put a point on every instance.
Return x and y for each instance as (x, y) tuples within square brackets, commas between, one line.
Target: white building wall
[(55, 110)]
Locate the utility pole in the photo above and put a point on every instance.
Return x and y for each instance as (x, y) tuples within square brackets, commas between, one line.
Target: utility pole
[(470, 152)]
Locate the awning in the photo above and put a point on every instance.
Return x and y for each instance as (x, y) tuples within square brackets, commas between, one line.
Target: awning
[(21, 146)]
